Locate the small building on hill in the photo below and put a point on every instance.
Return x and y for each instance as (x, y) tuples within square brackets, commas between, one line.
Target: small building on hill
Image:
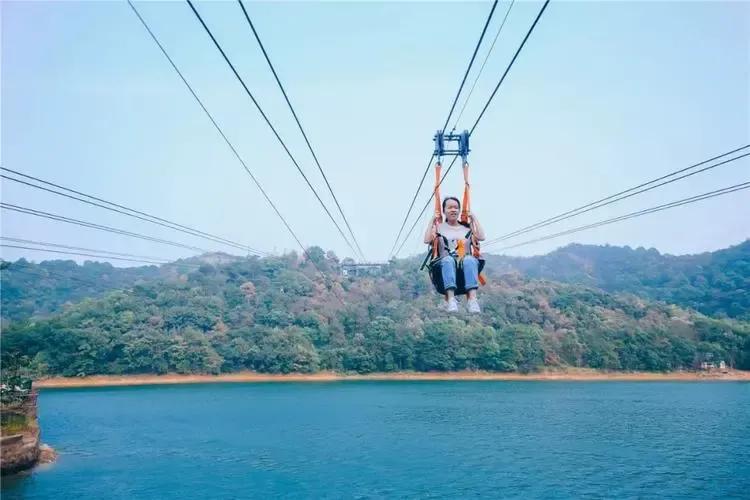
[(354, 269)]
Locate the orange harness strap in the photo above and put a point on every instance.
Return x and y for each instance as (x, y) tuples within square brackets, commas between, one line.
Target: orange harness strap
[(465, 219), (438, 208), (467, 196), (460, 252)]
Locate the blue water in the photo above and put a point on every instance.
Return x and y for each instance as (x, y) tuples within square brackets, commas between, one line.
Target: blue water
[(396, 439)]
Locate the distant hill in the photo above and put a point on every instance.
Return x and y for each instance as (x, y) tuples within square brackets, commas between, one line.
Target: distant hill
[(714, 283), (39, 290)]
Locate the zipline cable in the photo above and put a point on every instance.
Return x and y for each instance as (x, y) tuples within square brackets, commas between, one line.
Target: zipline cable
[(627, 193), (484, 63), (639, 213), (226, 139), (471, 63), (447, 120), (91, 225), (126, 211), (68, 247), (270, 125), (4, 245), (502, 79), (302, 130), (515, 56)]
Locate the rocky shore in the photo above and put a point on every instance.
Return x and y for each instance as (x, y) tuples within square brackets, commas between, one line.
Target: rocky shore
[(20, 445)]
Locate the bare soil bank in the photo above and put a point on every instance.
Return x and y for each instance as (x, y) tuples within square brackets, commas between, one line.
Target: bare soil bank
[(568, 375)]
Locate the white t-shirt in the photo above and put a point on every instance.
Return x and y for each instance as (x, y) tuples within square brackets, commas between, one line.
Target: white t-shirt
[(452, 233)]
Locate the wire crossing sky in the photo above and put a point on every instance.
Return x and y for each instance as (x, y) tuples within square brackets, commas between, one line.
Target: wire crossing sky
[(301, 129), (603, 96)]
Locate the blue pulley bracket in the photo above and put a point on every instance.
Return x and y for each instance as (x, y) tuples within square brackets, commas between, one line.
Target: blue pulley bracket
[(461, 143)]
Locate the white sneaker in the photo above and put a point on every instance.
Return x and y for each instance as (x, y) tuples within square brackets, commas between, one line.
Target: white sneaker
[(452, 305), (473, 306)]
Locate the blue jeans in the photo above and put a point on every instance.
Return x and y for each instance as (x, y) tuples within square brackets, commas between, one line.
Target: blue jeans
[(470, 269)]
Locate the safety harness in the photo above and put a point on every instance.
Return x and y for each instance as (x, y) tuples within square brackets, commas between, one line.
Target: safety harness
[(439, 247)]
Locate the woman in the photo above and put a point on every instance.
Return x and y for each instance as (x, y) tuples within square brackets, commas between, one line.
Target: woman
[(454, 231)]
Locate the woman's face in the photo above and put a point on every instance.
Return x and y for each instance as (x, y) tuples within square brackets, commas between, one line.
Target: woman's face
[(451, 211)]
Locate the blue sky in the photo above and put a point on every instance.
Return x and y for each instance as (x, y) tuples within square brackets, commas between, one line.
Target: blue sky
[(605, 95)]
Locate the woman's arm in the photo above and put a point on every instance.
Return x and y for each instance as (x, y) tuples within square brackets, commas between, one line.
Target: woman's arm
[(476, 227), (431, 232)]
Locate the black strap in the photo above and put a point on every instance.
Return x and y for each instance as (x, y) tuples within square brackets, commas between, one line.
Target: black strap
[(426, 258), (445, 242)]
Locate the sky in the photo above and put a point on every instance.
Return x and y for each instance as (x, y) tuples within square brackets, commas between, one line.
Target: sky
[(604, 96)]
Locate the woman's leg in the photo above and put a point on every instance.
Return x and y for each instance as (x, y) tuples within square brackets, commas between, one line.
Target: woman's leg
[(471, 278), (471, 275), (448, 268)]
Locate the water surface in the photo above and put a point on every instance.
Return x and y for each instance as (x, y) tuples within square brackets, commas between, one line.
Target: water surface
[(396, 439)]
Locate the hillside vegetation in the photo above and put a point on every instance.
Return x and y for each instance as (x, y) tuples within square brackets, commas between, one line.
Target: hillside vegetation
[(279, 315)]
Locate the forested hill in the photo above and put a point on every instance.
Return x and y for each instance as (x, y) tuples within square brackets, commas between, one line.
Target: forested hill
[(279, 315), (39, 290), (714, 283)]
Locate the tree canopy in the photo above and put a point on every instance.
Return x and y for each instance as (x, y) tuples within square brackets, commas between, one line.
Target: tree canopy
[(279, 315)]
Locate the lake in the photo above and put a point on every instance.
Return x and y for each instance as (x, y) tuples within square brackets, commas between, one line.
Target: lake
[(395, 439)]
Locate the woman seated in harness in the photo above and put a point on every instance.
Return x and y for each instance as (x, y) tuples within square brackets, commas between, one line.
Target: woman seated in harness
[(454, 254)]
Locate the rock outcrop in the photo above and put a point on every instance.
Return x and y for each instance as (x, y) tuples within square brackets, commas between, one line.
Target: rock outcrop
[(20, 447)]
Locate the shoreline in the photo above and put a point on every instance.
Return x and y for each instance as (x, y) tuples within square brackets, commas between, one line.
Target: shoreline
[(573, 375)]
